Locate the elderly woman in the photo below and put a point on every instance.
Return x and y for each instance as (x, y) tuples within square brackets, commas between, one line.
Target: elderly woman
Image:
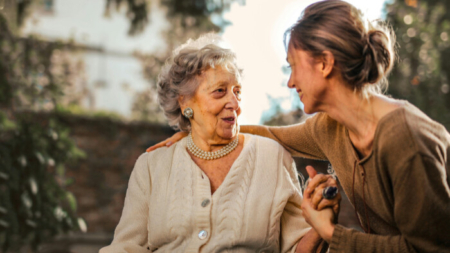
[(215, 190)]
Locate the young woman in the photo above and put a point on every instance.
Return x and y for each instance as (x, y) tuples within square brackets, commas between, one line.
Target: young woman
[(391, 159)]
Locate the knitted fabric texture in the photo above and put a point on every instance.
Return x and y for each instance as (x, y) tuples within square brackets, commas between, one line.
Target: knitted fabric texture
[(256, 208), (407, 194)]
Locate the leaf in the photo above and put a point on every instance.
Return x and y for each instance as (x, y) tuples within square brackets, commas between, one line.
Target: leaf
[(72, 201)]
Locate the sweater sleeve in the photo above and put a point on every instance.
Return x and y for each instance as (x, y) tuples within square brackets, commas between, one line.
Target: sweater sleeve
[(300, 140), (131, 233), (421, 212), (293, 224)]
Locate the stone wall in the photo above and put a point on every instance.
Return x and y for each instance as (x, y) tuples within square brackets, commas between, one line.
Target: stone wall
[(101, 179)]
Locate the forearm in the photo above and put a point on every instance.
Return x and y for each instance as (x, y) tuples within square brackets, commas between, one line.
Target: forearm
[(310, 242), (257, 130), (265, 131), (297, 139)]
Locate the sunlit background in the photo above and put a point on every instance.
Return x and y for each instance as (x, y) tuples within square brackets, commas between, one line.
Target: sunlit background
[(256, 35), (78, 102), (114, 75)]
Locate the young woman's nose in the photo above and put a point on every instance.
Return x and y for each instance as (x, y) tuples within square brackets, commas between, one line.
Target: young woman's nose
[(291, 83)]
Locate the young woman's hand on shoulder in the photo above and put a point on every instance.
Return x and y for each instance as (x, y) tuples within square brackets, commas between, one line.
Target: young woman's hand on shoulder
[(169, 141)]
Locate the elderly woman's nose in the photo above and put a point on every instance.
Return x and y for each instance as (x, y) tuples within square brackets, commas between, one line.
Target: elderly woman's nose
[(233, 101)]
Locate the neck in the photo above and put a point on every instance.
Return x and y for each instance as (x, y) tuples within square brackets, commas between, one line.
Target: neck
[(209, 142), (359, 115), (356, 113)]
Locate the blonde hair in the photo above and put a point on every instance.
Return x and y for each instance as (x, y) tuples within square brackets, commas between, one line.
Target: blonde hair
[(363, 50), (180, 74)]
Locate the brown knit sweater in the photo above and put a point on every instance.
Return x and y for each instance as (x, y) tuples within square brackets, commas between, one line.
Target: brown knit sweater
[(401, 189)]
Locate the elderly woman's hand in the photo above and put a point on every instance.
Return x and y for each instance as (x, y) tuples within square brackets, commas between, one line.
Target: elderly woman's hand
[(169, 141), (316, 185)]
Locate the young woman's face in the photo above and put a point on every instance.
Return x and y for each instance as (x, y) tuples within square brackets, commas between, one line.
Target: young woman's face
[(216, 105), (306, 78)]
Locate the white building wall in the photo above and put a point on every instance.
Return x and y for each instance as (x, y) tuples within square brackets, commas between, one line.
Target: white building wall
[(115, 75)]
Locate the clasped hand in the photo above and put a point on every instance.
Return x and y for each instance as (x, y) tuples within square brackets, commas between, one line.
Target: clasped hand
[(319, 212)]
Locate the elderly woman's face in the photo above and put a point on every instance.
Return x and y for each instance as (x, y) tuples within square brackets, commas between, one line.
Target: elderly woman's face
[(216, 105)]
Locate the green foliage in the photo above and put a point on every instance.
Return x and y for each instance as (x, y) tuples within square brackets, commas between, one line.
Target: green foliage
[(34, 204), (76, 109), (188, 19), (422, 73), (137, 13), (36, 74), (198, 12)]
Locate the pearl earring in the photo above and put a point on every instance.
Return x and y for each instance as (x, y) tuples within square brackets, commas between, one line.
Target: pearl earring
[(188, 112)]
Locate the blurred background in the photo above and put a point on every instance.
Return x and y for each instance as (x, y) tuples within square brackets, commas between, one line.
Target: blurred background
[(78, 102)]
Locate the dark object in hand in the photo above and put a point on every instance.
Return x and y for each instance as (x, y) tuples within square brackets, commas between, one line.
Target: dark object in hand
[(330, 192)]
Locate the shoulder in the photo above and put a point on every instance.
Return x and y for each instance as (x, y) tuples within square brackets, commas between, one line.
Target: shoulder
[(407, 132), (322, 121), (141, 168), (265, 146), (273, 159), (423, 128), (423, 132), (163, 152), (160, 157), (431, 139), (268, 149), (324, 129), (156, 166), (255, 140)]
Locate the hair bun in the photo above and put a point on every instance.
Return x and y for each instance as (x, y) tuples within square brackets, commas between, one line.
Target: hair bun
[(363, 50), (377, 56)]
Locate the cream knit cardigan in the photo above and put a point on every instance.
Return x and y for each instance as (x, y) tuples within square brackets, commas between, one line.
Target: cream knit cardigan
[(169, 202)]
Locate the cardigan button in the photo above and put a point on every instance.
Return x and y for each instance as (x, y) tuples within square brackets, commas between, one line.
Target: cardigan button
[(205, 202), (202, 235)]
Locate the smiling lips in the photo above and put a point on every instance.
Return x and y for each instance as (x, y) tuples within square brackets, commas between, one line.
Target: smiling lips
[(300, 93), (229, 120)]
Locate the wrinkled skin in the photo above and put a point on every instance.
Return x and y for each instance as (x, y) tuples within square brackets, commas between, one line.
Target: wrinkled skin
[(216, 106)]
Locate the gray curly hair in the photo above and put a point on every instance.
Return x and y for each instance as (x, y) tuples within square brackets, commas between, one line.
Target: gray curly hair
[(180, 74)]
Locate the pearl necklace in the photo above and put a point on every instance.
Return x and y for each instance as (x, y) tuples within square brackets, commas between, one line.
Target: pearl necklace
[(196, 151)]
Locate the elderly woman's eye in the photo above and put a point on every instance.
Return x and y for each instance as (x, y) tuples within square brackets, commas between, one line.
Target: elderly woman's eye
[(220, 90), (238, 94)]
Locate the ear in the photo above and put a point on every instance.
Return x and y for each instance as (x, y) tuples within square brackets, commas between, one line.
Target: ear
[(327, 63), (182, 102)]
